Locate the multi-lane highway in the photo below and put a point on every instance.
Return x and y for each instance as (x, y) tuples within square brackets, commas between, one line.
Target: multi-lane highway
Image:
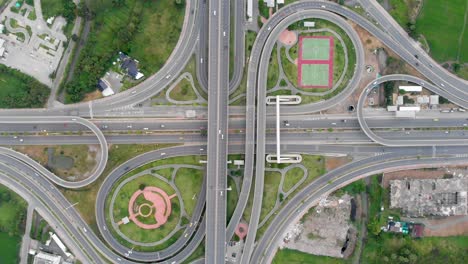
[(218, 97), (246, 132)]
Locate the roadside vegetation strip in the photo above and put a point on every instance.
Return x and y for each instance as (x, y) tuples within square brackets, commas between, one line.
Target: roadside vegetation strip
[(241, 90), (116, 27), (19, 90), (273, 70), (270, 192), (232, 198), (189, 182)]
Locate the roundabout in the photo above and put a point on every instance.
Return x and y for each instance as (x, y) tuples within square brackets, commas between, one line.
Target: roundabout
[(146, 210)]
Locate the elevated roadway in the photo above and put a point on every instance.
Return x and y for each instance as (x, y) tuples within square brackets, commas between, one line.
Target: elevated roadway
[(442, 140), (259, 60), (101, 140), (218, 97)]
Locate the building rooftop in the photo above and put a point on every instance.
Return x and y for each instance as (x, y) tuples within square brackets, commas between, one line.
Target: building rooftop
[(46, 258), (422, 197)]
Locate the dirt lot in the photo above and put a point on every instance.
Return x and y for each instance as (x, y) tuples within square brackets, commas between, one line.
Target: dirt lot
[(335, 162), (450, 226)]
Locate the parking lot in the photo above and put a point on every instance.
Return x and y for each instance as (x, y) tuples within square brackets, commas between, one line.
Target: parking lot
[(31, 44)]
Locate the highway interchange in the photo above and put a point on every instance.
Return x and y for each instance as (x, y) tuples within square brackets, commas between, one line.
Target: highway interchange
[(207, 23)]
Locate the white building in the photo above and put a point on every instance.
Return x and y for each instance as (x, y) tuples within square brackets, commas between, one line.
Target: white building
[(309, 24), (434, 99), (45, 258), (399, 100), (270, 3), (410, 108), (392, 108), (2, 48), (250, 9), (411, 89), (423, 99)]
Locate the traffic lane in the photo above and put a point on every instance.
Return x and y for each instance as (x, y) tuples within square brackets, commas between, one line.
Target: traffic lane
[(287, 137), (301, 121)]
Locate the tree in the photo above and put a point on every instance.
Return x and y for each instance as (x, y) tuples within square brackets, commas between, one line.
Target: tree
[(74, 37)]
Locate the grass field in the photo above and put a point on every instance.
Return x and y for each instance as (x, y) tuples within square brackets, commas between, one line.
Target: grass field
[(51, 8), (297, 257), (232, 198), (391, 248), (166, 173), (162, 24), (270, 192), (292, 177), (315, 48), (19, 90), (189, 182), (273, 70), (442, 23), (249, 40), (9, 248), (315, 74), (183, 91), (12, 218)]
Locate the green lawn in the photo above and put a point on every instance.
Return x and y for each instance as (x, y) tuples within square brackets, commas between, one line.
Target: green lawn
[(270, 192), (19, 90), (292, 177), (189, 182), (157, 34), (183, 91), (273, 70), (51, 8), (166, 173), (391, 248), (232, 198), (9, 248), (249, 40), (289, 256), (12, 218), (441, 22)]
